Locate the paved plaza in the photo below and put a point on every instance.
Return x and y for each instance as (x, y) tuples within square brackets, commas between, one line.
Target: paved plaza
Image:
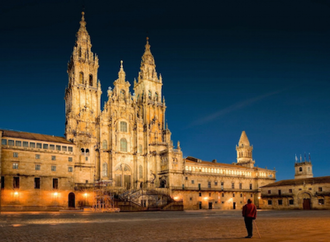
[(163, 226)]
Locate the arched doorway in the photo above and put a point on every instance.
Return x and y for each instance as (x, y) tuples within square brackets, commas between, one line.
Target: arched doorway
[(123, 176), (305, 198), (71, 200)]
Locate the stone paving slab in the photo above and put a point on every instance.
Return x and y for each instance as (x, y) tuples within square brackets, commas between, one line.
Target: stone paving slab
[(164, 226)]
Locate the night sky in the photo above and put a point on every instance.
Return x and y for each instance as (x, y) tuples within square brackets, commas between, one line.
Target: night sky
[(227, 66)]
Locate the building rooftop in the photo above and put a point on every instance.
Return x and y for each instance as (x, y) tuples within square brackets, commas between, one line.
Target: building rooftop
[(312, 180), (33, 136)]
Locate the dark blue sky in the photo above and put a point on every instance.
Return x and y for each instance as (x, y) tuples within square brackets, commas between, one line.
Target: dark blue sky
[(227, 66)]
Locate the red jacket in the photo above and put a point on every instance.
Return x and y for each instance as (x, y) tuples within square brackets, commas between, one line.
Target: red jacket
[(249, 210)]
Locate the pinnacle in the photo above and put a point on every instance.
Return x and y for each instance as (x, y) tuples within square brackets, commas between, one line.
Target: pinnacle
[(244, 140)]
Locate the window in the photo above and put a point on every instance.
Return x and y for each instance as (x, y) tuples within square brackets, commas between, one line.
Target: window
[(222, 195), (300, 169), (233, 194), (123, 126), (290, 190), (251, 195), (123, 145), (18, 143), (37, 167), (209, 184), (81, 76), (37, 156), (192, 182), (250, 186), (279, 192), (240, 186), (140, 149), (321, 201), (182, 186), (270, 202), (15, 182), (32, 145), (156, 97), (105, 169), (291, 202), (11, 142), (70, 169), (25, 144), (140, 172), (2, 182), (222, 202), (216, 183), (64, 148), (320, 189), (53, 157), (36, 183), (200, 194), (55, 183), (91, 80), (308, 169), (70, 149), (87, 151), (104, 144), (58, 147), (186, 178), (39, 145), (280, 202), (3, 141), (70, 159), (209, 194), (232, 185), (122, 94), (241, 195), (149, 94), (53, 168), (15, 154), (269, 192), (52, 147), (86, 158), (190, 198), (15, 165)]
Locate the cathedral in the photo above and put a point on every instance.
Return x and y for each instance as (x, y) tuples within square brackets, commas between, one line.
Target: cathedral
[(125, 146)]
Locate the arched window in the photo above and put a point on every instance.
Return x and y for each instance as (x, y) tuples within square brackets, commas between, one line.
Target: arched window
[(105, 169), (81, 78), (140, 172), (79, 52), (149, 95), (140, 149), (122, 94), (104, 145), (87, 151), (91, 80), (123, 126), (123, 145), (82, 151), (300, 168), (156, 97)]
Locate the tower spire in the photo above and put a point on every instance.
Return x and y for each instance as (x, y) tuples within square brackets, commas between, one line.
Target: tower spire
[(148, 67)]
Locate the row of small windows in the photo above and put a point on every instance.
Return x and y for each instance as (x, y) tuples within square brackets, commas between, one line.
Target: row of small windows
[(37, 167), (209, 184), (150, 96), (37, 156), (219, 171), (222, 195), (319, 189), (291, 202), (37, 182), (82, 80), (45, 146)]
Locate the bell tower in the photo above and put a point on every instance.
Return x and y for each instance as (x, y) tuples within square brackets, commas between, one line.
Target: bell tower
[(244, 151), (82, 102), (148, 92)]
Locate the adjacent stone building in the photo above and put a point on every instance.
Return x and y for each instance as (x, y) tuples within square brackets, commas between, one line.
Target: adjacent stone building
[(125, 146), (303, 192)]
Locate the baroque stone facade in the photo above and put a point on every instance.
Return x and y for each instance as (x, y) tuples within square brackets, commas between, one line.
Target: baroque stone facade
[(126, 145)]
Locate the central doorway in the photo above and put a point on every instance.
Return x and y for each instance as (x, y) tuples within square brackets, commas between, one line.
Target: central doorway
[(234, 205), (71, 200), (210, 205), (307, 204)]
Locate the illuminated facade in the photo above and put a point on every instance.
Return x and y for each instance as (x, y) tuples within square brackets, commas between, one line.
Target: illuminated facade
[(126, 146), (303, 192)]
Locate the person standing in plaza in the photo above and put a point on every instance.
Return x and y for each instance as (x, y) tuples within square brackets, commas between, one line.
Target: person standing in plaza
[(249, 213)]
